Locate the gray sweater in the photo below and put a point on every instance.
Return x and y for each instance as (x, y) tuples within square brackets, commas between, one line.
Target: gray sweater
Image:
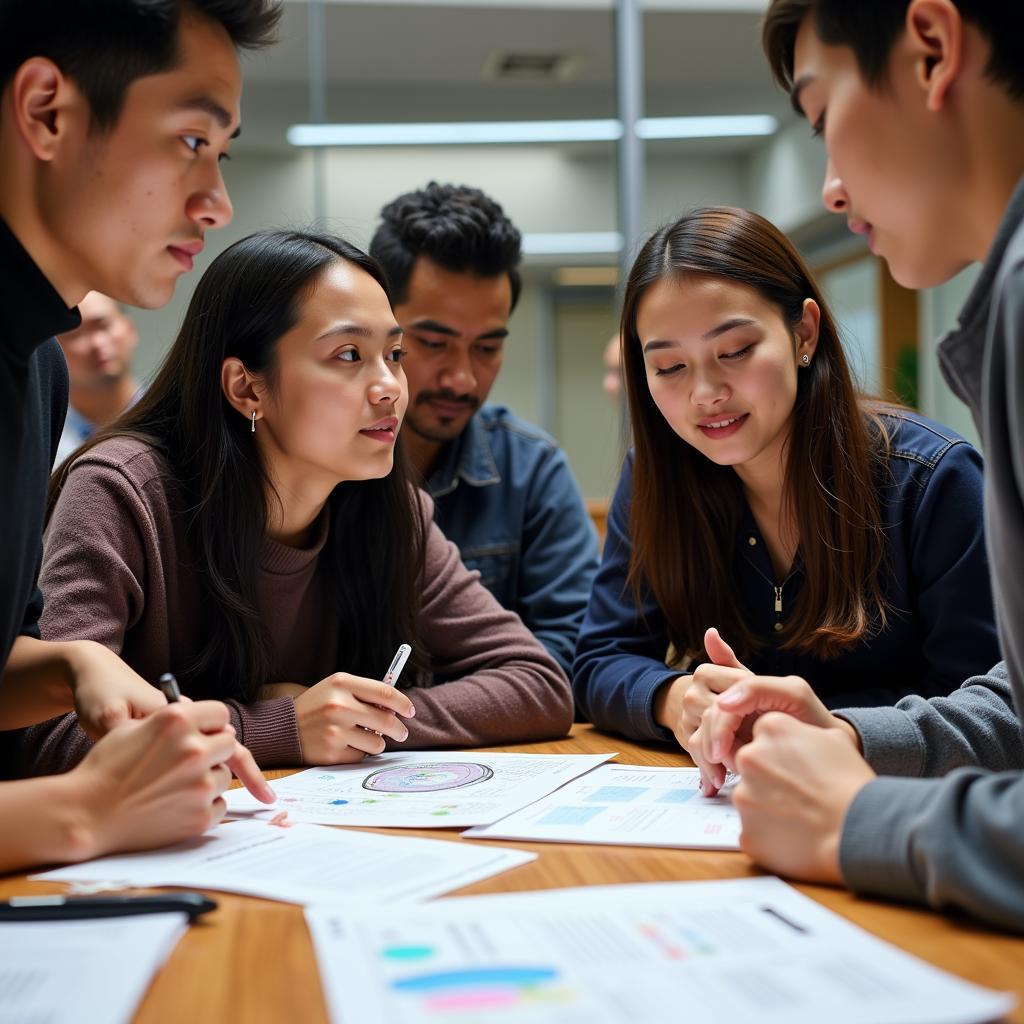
[(958, 840)]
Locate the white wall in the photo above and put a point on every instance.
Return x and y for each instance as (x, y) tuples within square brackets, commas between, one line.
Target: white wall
[(784, 177), (588, 424), (852, 292)]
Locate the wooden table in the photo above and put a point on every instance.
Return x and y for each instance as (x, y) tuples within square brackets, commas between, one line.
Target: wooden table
[(251, 961)]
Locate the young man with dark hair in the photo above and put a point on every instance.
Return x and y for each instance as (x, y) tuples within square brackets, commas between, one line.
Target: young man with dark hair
[(503, 491), (921, 106), (113, 119)]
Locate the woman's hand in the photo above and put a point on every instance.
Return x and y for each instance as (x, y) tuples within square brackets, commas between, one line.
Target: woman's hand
[(681, 703), (344, 717), (709, 680)]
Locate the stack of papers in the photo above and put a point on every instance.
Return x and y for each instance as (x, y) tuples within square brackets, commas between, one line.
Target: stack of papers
[(418, 790), (302, 864), (750, 951), (64, 972)]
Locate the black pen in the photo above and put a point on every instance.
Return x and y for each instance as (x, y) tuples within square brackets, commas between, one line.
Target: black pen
[(169, 685), (65, 908)]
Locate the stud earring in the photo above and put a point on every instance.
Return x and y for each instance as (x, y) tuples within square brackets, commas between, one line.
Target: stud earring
[(805, 359), (253, 428)]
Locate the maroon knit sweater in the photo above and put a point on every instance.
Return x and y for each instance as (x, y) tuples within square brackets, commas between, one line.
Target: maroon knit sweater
[(118, 569)]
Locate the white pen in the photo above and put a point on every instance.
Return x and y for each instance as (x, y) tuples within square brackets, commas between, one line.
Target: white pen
[(397, 664), (395, 669)]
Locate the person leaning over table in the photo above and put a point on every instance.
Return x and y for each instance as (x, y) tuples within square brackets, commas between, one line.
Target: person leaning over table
[(113, 117), (921, 105)]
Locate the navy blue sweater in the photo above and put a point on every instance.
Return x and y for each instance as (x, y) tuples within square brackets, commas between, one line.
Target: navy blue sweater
[(941, 626)]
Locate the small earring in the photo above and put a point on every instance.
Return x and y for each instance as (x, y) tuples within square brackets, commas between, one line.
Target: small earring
[(805, 359), (253, 429)]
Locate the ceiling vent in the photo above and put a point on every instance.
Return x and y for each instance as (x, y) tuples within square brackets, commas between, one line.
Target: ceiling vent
[(505, 66)]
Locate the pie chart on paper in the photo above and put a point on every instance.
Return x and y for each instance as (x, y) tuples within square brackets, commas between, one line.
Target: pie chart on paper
[(427, 778)]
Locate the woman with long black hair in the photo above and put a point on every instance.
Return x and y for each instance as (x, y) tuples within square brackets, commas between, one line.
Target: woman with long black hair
[(249, 525)]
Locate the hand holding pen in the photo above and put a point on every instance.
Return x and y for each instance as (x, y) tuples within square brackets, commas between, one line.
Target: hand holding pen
[(241, 763), (157, 780), (397, 664), (345, 717), (395, 668)]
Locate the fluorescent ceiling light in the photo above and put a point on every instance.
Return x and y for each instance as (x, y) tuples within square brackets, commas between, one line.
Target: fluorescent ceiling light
[(571, 243), (477, 133), (454, 133), (708, 6), (706, 127)]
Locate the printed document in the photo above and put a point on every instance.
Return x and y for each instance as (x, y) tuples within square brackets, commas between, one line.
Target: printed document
[(626, 805), (418, 790), (302, 864), (76, 972), (752, 950)]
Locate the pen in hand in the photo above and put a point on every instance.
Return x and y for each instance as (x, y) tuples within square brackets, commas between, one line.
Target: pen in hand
[(395, 669), (397, 664), (170, 688)]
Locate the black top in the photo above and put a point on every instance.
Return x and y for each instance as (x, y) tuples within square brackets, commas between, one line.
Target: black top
[(33, 403)]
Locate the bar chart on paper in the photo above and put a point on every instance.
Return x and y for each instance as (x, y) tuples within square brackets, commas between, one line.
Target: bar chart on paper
[(750, 950), (621, 804)]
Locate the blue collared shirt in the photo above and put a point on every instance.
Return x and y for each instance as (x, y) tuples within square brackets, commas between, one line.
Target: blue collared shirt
[(941, 626), (78, 430), (504, 494)]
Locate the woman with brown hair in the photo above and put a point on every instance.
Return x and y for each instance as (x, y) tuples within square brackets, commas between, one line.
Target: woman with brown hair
[(768, 503)]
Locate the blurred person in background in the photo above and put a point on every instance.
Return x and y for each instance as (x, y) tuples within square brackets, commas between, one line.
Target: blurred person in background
[(99, 354), (611, 381)]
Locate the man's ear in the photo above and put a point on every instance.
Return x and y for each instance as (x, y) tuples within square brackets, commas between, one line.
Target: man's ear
[(45, 106), (241, 388), (935, 32)]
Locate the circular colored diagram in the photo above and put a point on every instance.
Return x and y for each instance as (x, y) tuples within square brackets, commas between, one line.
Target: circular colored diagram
[(427, 778)]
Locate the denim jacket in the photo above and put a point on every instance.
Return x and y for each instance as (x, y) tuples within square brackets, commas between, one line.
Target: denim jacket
[(504, 494), (941, 626)]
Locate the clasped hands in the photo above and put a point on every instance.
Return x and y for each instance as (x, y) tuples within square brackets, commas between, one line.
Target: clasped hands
[(800, 766)]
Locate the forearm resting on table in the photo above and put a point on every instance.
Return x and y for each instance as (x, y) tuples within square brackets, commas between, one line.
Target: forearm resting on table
[(36, 683)]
